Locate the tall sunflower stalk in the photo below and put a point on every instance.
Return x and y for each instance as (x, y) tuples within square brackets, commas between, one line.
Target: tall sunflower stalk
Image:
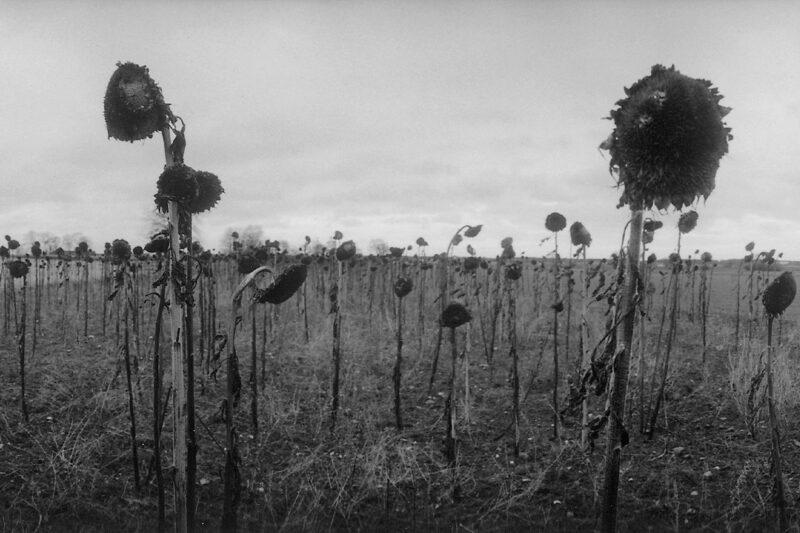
[(135, 109), (556, 222), (665, 149), (18, 269), (776, 298), (444, 288)]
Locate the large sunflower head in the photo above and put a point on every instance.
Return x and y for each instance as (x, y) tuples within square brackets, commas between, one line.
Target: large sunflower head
[(668, 138), (134, 107)]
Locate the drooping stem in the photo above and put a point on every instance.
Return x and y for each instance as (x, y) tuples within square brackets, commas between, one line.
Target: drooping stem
[(619, 378)]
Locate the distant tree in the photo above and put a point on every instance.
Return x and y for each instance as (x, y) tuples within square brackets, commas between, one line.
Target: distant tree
[(378, 247), (47, 240), (252, 236), (71, 240)]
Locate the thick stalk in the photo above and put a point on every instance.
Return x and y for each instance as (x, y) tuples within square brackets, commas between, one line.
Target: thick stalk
[(156, 409), (777, 468), (180, 454), (619, 378)]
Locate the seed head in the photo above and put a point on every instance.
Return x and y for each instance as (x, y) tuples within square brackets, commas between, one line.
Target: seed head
[(779, 294), (284, 286), (402, 287), (18, 268), (454, 315), (472, 231), (120, 250), (159, 244), (555, 222), (471, 264), (134, 107), (394, 251), (346, 251), (687, 221), (579, 235), (422, 242), (652, 225), (668, 139), (514, 271), (209, 191)]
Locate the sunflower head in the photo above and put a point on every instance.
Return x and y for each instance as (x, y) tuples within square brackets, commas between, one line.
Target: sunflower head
[(284, 286), (472, 231), (402, 286), (555, 222), (668, 138), (209, 191), (18, 268), (579, 235), (687, 221), (120, 250), (514, 271), (134, 107), (471, 264), (454, 315), (779, 294), (346, 251)]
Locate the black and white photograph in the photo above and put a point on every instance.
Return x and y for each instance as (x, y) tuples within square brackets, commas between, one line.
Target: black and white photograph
[(415, 266)]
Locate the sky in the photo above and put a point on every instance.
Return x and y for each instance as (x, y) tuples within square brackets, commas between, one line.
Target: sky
[(392, 120)]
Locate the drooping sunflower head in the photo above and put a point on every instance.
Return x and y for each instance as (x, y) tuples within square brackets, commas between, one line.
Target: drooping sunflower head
[(579, 235), (284, 286), (134, 107), (779, 294), (346, 251), (209, 191), (687, 221), (668, 138), (454, 315)]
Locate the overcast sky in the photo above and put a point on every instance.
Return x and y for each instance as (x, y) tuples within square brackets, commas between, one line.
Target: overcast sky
[(392, 120)]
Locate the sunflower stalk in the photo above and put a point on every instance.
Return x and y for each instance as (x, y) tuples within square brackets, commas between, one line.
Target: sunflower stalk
[(617, 436), (184, 507)]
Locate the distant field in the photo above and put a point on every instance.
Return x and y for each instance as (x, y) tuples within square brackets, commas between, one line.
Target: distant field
[(69, 466)]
